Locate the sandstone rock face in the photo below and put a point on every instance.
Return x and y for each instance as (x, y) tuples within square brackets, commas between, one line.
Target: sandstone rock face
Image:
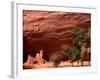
[(49, 30)]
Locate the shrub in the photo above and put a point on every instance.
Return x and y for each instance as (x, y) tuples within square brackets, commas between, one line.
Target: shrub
[(56, 59), (74, 54)]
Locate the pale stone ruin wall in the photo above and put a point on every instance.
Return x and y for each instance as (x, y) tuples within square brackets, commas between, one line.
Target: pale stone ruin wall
[(38, 58)]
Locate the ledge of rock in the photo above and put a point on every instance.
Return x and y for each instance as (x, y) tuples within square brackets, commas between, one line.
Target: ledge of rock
[(49, 30)]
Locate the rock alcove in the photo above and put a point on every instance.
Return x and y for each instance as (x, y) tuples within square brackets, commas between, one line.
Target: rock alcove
[(48, 30)]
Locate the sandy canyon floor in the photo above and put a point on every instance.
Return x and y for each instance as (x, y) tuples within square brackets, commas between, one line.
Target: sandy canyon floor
[(50, 65)]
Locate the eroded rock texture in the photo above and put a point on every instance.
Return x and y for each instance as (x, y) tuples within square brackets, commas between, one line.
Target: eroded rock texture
[(49, 30)]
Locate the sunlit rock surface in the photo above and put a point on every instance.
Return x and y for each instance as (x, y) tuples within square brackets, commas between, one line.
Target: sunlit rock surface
[(49, 30)]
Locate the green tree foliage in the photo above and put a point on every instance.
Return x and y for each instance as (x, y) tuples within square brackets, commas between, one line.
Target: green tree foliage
[(74, 54), (80, 36), (65, 47)]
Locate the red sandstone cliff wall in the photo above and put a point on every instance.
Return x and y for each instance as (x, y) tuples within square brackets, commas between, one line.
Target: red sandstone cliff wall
[(49, 30)]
